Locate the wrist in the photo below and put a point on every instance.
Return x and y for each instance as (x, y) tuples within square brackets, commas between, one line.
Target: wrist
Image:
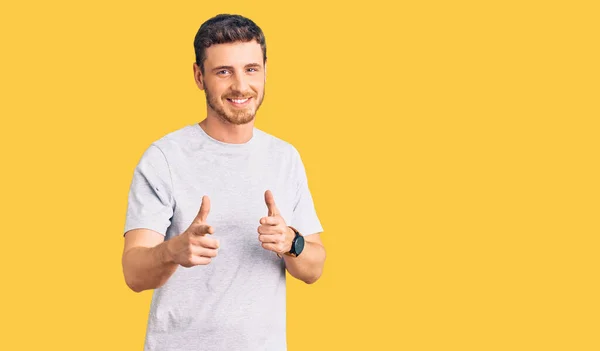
[(166, 253), (291, 234), (297, 243)]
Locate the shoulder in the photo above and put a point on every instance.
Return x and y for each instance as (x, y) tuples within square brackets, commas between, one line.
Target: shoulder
[(160, 151), (177, 139)]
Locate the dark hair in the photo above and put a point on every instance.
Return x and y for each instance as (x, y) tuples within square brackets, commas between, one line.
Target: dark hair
[(225, 28)]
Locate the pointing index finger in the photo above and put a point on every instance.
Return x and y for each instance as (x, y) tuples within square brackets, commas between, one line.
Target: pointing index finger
[(204, 210)]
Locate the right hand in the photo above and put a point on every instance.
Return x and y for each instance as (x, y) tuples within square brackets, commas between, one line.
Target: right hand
[(193, 247)]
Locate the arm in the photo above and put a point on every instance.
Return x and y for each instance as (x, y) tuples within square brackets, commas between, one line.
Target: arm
[(146, 262), (150, 207), (308, 266), (149, 261), (276, 236)]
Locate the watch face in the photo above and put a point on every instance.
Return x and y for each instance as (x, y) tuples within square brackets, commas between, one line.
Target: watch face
[(299, 245)]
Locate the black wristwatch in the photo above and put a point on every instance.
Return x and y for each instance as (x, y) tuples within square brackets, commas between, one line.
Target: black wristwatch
[(297, 244)]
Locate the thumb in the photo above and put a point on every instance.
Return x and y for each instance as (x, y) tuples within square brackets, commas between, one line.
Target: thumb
[(270, 201), (204, 210)]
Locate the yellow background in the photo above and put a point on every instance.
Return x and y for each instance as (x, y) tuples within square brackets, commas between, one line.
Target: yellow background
[(451, 148)]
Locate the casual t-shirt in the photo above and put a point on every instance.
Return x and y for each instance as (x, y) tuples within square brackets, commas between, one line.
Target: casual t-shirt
[(237, 302)]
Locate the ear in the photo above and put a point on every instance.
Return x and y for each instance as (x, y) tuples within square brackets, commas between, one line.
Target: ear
[(198, 76), (265, 68)]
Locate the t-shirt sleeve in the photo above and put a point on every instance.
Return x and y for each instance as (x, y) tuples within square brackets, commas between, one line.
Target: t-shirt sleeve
[(150, 200), (304, 217)]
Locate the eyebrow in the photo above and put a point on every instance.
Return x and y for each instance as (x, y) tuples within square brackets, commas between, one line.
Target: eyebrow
[(231, 67)]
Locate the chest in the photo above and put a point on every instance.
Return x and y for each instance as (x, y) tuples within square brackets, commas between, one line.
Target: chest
[(236, 188)]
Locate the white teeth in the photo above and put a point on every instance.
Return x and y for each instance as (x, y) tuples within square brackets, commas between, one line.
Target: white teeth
[(239, 101)]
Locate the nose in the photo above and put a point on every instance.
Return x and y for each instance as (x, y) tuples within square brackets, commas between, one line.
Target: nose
[(240, 83)]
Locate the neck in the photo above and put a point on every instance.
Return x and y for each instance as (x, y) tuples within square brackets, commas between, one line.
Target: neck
[(227, 132)]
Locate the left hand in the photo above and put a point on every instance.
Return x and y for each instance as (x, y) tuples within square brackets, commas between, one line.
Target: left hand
[(273, 232)]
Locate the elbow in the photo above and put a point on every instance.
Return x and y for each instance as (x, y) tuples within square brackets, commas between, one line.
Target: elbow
[(313, 279), (317, 273), (138, 285), (131, 281), (131, 284), (135, 289)]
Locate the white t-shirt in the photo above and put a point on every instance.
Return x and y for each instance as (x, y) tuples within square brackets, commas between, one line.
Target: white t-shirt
[(237, 302)]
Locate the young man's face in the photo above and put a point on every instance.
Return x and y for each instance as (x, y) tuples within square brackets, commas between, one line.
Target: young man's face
[(233, 80)]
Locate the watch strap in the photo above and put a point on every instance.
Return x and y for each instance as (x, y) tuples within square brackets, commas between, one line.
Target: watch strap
[(291, 252)]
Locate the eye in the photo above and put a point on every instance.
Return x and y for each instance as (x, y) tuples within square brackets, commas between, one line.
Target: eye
[(251, 69), (222, 72)]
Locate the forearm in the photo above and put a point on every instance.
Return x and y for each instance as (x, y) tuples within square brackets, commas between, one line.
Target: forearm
[(308, 266), (147, 267)]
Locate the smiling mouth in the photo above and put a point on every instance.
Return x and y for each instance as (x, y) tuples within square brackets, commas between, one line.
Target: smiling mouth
[(239, 102)]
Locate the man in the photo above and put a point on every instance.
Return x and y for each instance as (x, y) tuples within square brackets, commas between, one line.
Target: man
[(217, 211)]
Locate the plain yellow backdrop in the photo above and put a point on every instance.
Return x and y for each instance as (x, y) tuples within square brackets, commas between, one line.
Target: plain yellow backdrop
[(451, 148)]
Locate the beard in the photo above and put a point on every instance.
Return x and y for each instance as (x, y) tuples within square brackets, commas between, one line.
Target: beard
[(236, 116)]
